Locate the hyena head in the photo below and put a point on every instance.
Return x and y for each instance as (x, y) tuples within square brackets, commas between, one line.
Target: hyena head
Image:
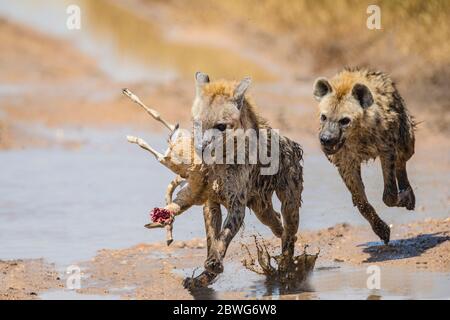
[(342, 102), (218, 106)]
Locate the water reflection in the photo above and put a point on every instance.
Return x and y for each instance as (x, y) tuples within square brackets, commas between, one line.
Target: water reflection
[(330, 282)]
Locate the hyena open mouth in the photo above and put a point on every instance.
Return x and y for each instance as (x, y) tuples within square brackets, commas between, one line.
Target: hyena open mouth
[(333, 149)]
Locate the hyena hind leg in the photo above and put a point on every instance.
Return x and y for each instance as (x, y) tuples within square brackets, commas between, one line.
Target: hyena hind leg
[(390, 192), (406, 195)]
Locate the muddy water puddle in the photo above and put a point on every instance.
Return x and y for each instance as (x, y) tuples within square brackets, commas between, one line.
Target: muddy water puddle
[(330, 282), (73, 295), (64, 205)]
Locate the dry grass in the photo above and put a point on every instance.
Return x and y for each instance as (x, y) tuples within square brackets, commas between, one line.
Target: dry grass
[(338, 28)]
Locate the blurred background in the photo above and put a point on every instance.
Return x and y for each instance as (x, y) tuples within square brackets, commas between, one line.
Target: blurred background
[(70, 184)]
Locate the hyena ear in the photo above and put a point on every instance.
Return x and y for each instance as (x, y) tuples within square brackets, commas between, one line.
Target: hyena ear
[(321, 88), (363, 95), (200, 80), (239, 92)]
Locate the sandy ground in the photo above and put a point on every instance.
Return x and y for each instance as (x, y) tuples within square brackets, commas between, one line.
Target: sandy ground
[(49, 92), (25, 279)]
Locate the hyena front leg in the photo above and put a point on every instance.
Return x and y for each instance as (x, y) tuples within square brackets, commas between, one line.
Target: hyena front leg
[(390, 193), (213, 222), (290, 206), (352, 178), (406, 194), (212, 215), (233, 222)]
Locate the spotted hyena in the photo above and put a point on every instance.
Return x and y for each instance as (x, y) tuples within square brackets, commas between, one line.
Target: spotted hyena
[(362, 117), (224, 107)]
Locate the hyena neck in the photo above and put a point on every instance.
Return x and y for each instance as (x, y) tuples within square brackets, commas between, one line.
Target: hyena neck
[(251, 119)]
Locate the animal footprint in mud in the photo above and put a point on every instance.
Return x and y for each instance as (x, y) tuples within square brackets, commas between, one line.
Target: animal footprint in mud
[(288, 272)]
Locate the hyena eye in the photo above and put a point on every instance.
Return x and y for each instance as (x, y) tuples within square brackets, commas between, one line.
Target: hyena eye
[(344, 121), (323, 117), (220, 126)]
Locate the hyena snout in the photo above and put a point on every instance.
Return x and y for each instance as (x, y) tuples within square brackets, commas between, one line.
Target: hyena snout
[(328, 139)]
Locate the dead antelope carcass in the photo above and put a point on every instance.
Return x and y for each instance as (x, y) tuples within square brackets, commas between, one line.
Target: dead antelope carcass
[(179, 157)]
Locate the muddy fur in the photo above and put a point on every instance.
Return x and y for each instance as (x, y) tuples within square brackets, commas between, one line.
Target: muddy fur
[(237, 186), (362, 117)]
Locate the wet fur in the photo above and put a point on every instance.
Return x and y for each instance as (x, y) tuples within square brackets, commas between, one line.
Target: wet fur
[(384, 129), (237, 186)]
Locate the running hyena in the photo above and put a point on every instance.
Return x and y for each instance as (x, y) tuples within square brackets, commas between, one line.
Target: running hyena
[(363, 116), (222, 110), (223, 107)]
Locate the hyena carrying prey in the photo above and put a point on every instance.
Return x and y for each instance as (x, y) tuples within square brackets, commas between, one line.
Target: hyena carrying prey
[(363, 117), (222, 108)]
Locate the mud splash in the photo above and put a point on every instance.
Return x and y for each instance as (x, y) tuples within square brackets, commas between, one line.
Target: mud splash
[(286, 273)]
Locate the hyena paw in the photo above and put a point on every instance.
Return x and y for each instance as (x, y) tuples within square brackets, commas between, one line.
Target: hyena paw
[(407, 199), (214, 265), (204, 279), (390, 199), (383, 231)]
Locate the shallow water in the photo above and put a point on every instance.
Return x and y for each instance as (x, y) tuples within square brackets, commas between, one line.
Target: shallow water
[(65, 204), (332, 282), (73, 295)]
